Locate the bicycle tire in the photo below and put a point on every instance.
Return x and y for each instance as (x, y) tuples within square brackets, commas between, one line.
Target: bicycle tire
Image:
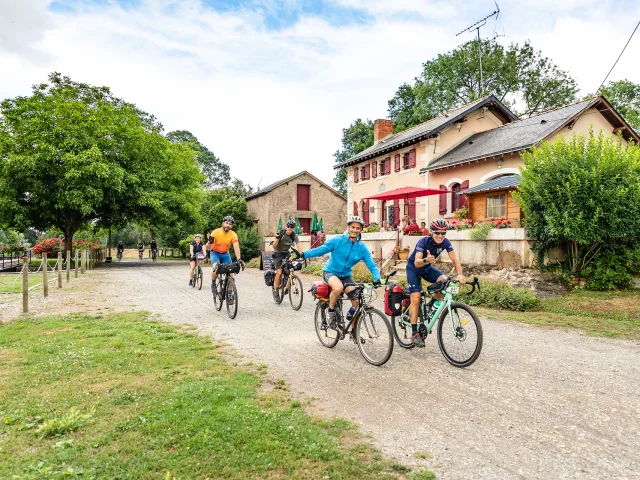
[(232, 309), (199, 278), (460, 335), (218, 299), (295, 289), (377, 335), (402, 332), (194, 276), (327, 336)]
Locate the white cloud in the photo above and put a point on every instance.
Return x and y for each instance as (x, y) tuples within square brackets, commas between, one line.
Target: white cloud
[(271, 103)]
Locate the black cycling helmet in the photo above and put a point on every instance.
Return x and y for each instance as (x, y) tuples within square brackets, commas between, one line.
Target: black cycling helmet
[(228, 218), (439, 224), (291, 224)]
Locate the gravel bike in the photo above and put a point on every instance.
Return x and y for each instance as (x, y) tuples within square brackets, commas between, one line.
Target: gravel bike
[(154, 254), (225, 288), (119, 255), (140, 252), (197, 272), (459, 328), (289, 283), (368, 327)]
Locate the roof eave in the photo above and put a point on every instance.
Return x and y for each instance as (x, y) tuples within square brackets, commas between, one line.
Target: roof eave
[(476, 159)]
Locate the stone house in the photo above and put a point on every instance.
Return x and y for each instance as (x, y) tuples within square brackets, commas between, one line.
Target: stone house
[(462, 149), (298, 197)]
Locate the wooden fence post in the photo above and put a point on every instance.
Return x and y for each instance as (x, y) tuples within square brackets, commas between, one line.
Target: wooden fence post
[(59, 268), (75, 264), (45, 274), (25, 285), (82, 261), (68, 266)]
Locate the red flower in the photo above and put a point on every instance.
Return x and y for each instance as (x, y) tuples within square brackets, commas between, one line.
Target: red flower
[(493, 219), (508, 222), (499, 223)]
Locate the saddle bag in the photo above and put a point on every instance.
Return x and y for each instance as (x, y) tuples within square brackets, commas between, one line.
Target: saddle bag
[(394, 300), (319, 289)]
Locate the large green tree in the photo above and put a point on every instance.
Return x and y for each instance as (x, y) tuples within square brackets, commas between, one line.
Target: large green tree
[(72, 153), (355, 138), (625, 98), (582, 192), (216, 172), (519, 76)]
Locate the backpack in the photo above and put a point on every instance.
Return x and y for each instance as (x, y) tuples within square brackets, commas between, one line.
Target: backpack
[(293, 235)]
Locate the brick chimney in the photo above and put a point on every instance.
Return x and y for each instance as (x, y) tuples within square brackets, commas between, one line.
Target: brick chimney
[(381, 129)]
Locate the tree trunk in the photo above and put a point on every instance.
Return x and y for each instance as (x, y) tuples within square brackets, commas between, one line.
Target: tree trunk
[(69, 232)]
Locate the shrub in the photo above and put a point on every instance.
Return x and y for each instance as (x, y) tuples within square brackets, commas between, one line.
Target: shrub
[(609, 272), (501, 295), (253, 263), (480, 231), (461, 213), (250, 243)]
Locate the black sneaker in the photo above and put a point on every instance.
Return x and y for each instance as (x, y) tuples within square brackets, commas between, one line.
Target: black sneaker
[(191, 282)]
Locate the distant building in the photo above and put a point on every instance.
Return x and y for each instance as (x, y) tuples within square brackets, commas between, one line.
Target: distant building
[(298, 197)]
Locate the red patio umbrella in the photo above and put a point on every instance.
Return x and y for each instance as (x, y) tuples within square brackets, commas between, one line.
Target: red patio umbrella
[(405, 193)]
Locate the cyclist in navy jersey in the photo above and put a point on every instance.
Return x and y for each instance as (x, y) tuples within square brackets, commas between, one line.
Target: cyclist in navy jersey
[(420, 266)]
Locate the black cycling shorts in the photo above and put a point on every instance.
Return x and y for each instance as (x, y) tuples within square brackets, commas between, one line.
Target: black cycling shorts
[(279, 258)]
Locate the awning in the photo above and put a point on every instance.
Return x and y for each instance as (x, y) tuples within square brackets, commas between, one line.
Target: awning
[(505, 182), (405, 193)]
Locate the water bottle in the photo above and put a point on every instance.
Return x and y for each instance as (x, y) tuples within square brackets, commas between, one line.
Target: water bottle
[(350, 313), (435, 307)]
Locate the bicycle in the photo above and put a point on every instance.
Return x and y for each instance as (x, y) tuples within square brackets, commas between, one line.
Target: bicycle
[(197, 272), (368, 327), (140, 252), (221, 291), (154, 254), (289, 283), (119, 255), (466, 329)]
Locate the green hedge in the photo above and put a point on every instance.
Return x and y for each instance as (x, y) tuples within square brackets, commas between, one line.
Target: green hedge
[(501, 295)]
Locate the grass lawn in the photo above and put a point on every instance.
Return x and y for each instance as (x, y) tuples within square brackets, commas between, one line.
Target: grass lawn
[(124, 397), (6, 285), (607, 314)]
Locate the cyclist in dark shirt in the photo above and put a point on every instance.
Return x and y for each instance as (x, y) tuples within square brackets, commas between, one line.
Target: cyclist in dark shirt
[(420, 266), (195, 248), (285, 239)]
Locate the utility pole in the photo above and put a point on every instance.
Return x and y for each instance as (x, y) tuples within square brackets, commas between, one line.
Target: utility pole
[(476, 26)]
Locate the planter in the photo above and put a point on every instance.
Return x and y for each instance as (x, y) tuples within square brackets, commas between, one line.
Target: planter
[(403, 255)]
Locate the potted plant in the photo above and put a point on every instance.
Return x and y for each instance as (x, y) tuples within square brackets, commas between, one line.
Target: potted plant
[(403, 252)]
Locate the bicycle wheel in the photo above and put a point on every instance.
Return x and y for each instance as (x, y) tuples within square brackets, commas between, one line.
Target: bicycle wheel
[(402, 329), (218, 297), (195, 276), (232, 308), (374, 337), (327, 336), (296, 293), (460, 335), (199, 277)]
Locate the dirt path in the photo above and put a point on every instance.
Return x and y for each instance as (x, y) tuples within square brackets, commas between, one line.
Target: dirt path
[(538, 403)]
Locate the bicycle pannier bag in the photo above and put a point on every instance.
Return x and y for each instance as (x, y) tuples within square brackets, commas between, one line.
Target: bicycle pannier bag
[(297, 266), (269, 277), (320, 289), (393, 300)]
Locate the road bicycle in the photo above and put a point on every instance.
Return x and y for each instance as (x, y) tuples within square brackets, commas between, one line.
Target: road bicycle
[(459, 328), (197, 272), (225, 290), (290, 284), (368, 327)]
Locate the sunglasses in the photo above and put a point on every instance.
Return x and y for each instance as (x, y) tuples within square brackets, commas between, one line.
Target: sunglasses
[(439, 233)]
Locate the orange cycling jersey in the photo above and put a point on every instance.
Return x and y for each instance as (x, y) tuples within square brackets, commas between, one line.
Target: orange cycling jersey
[(222, 241)]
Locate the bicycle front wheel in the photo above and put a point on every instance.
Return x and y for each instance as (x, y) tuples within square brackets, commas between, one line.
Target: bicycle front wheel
[(295, 293), (327, 336), (374, 337), (402, 329), (194, 277), (232, 299), (218, 293), (199, 278), (460, 335)]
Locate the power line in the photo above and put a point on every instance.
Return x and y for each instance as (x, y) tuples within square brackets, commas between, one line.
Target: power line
[(614, 65)]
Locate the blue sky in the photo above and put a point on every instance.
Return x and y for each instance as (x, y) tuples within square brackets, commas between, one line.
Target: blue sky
[(268, 85)]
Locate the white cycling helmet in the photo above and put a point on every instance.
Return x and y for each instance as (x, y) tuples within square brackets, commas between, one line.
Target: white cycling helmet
[(355, 218)]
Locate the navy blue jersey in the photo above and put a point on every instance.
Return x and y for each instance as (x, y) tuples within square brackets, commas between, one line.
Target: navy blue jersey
[(197, 248), (426, 244)]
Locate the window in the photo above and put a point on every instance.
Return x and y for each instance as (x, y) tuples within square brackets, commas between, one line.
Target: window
[(364, 172), (496, 206), (455, 198), (304, 197), (405, 161), (409, 160)]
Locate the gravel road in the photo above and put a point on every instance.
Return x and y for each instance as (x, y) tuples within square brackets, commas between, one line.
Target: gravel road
[(538, 404)]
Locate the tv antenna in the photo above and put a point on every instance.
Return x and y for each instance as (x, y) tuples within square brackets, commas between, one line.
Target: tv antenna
[(259, 183), (476, 26)]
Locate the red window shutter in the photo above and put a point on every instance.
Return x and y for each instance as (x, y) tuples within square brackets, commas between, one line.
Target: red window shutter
[(355, 208), (387, 166), (355, 175), (443, 201), (365, 212), (304, 197), (464, 200), (396, 213), (397, 160), (367, 169), (374, 169), (412, 207), (412, 158)]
